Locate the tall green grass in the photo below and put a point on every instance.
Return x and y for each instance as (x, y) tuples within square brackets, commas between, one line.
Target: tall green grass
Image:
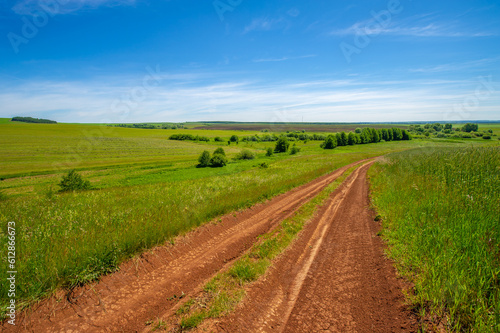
[(441, 210)]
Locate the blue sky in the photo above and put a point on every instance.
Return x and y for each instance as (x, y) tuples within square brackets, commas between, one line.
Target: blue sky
[(241, 60)]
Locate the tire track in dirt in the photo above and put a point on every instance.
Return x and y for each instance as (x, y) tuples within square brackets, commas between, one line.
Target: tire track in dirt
[(146, 288), (334, 277)]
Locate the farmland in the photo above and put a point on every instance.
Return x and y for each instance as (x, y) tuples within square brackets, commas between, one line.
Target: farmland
[(147, 190)]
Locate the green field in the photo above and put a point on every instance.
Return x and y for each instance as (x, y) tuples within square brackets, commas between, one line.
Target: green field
[(147, 190), (441, 212)]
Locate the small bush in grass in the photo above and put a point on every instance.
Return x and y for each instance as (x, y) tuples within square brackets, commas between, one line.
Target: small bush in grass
[(220, 151), (269, 151), (264, 165), (245, 154), (204, 159), (74, 182), (294, 150), (234, 138), (218, 139), (218, 160), (486, 137)]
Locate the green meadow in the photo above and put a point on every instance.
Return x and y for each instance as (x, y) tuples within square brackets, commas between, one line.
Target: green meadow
[(441, 213), (146, 190)]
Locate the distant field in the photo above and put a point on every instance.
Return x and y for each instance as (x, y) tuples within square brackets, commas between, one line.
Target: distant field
[(314, 128)]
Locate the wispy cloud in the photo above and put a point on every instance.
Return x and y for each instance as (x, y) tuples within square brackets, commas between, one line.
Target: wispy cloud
[(321, 100), (31, 7), (284, 58), (475, 64), (264, 24), (416, 26)]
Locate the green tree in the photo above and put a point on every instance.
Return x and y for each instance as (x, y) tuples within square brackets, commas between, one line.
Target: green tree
[(269, 151), (74, 182), (358, 130), (469, 127), (218, 160), (351, 139), (234, 138), (204, 159), (220, 151), (282, 145), (330, 142)]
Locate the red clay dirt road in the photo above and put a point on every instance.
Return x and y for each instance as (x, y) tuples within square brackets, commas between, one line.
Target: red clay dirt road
[(146, 287), (334, 278)]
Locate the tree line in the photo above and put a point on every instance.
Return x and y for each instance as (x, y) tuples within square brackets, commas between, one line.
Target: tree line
[(364, 136), (34, 120)]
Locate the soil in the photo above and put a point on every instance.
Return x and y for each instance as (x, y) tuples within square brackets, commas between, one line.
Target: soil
[(334, 278)]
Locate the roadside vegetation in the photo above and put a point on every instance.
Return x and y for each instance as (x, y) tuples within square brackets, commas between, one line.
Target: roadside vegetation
[(441, 218)]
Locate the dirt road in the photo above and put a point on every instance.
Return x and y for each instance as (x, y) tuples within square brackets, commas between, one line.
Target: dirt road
[(146, 287), (334, 278)]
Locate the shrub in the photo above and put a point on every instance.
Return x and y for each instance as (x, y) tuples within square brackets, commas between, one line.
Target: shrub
[(218, 160), (269, 151), (220, 151), (234, 138), (74, 182), (204, 159), (264, 165), (294, 150), (330, 142), (218, 139), (486, 137), (245, 154), (282, 145)]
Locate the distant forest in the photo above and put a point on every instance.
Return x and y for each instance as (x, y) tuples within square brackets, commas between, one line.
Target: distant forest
[(34, 120)]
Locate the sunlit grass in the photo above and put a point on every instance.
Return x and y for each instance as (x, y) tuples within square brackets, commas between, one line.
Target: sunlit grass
[(441, 210)]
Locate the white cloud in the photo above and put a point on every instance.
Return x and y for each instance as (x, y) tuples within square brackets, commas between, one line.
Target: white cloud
[(263, 24), (416, 26), (350, 100), (284, 58)]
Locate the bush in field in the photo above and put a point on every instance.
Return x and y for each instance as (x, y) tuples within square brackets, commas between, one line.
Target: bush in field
[(220, 151), (282, 145), (269, 151), (245, 154), (470, 128), (74, 182), (294, 150), (204, 159), (486, 137), (218, 139), (234, 138), (218, 160), (330, 142)]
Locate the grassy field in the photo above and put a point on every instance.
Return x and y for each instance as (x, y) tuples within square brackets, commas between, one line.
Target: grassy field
[(441, 212), (146, 191)]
